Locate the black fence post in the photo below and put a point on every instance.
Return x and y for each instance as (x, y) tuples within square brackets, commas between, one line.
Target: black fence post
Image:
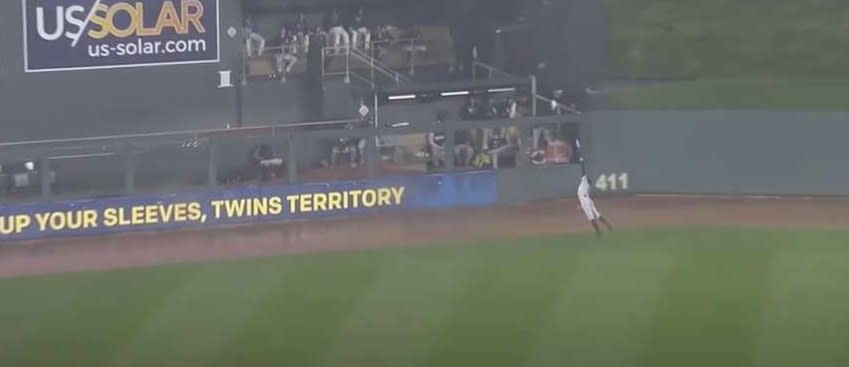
[(130, 172), (212, 171), (372, 156), (450, 144), (292, 160), (45, 175)]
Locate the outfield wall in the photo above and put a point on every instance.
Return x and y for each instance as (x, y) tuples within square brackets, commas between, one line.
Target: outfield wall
[(243, 205), (722, 152)]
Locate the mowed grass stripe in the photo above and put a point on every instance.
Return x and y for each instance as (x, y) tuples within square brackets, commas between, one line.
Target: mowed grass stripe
[(806, 318), (210, 306), (298, 319), (79, 319), (496, 321), (712, 300), (398, 319), (605, 309)]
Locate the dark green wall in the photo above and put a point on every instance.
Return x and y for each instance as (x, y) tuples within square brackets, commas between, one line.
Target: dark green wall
[(722, 152)]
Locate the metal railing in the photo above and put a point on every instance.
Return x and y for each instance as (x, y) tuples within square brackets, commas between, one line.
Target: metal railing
[(352, 54)]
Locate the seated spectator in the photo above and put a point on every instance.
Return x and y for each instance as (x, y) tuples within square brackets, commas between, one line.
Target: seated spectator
[(254, 42), (347, 145), (472, 110), (463, 151), (359, 31), (338, 36), (286, 50), (501, 145), (263, 161), (413, 45)]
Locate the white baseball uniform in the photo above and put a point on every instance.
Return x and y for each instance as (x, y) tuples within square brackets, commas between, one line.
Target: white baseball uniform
[(587, 203)]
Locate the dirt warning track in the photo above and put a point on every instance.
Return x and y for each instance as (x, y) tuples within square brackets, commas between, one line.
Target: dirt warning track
[(412, 229)]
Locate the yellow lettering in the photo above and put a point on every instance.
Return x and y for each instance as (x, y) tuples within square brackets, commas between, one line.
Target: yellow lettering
[(195, 213), (15, 224), (320, 202), (150, 216), (90, 219), (22, 222), (275, 206), (293, 201), (56, 221), (137, 215), (260, 206), (384, 197), (355, 196), (41, 218), (398, 194), (192, 17), (179, 213), (306, 203), (334, 201), (142, 31), (168, 18), (369, 198), (234, 208), (110, 217), (98, 17), (113, 12), (216, 208)]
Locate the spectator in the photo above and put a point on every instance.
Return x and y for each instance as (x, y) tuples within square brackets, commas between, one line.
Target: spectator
[(359, 31), (285, 58), (336, 31), (500, 145), (261, 154), (347, 145), (463, 151), (254, 42), (414, 44)]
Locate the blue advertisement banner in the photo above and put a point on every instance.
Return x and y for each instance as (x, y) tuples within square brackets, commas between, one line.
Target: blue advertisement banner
[(99, 34), (252, 204)]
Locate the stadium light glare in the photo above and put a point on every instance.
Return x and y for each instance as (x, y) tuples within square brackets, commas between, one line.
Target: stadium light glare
[(454, 94), (402, 97)]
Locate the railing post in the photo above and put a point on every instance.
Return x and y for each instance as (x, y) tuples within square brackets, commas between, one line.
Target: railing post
[(450, 144), (371, 155), (212, 170), (533, 95), (130, 172), (348, 65), (44, 176), (292, 160)]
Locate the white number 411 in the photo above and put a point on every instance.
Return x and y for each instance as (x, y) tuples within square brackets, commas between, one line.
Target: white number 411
[(612, 182)]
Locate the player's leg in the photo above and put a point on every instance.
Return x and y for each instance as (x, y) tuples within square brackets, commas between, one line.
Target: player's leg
[(589, 210), (606, 223), (600, 217), (596, 227)]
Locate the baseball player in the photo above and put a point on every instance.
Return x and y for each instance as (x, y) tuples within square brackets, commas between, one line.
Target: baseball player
[(587, 204)]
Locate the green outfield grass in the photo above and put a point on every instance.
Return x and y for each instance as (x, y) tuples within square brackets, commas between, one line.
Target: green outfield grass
[(689, 297), (786, 54)]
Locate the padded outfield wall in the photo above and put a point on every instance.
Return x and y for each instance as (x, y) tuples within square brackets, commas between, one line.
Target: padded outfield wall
[(722, 152)]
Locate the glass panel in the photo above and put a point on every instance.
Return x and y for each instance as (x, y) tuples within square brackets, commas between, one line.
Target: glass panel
[(330, 157), (404, 154), (554, 143), (248, 159), (172, 166), (91, 175)]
